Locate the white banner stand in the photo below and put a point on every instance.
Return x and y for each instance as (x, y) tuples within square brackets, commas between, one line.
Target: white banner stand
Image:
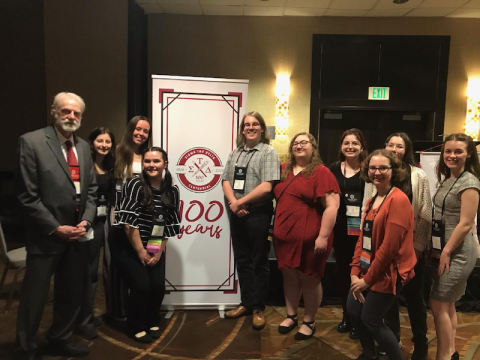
[(196, 120)]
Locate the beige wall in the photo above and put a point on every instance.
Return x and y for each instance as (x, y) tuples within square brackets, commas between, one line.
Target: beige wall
[(86, 53), (257, 48)]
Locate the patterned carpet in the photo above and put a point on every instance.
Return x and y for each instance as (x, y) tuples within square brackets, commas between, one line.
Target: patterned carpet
[(204, 335)]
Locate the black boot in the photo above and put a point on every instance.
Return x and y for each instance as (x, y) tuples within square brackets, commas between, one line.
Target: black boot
[(344, 326)]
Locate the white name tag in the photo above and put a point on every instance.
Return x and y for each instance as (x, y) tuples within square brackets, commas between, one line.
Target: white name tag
[(353, 211), (157, 230), (239, 184), (77, 187), (436, 242), (367, 243), (101, 210)]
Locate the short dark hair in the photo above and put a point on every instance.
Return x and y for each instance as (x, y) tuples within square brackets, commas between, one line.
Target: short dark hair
[(109, 160)]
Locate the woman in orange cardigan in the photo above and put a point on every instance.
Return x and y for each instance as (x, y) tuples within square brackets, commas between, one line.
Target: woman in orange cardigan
[(384, 256)]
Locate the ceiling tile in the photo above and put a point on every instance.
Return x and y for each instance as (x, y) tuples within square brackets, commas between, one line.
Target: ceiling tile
[(472, 4), (152, 8), (264, 3), (465, 13), (442, 3), (387, 12), (352, 4), (333, 12), (430, 12), (321, 4), (389, 4), (221, 2), (182, 9), (294, 11), (262, 11), (223, 10), (177, 2)]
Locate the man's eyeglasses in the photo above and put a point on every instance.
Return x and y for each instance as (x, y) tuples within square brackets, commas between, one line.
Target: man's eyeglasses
[(381, 169), (302, 143), (247, 125)]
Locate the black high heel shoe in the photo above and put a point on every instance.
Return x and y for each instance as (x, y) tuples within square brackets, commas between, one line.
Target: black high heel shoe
[(455, 356), (287, 329), (301, 336)]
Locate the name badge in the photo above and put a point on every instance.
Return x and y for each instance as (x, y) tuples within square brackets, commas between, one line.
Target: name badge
[(353, 211), (158, 230), (101, 210), (239, 178), (367, 243), (77, 187)]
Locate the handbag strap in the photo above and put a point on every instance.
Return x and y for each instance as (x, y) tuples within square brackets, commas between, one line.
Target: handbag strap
[(285, 188)]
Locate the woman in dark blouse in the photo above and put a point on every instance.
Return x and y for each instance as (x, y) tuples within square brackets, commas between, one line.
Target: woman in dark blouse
[(147, 217), (102, 145)]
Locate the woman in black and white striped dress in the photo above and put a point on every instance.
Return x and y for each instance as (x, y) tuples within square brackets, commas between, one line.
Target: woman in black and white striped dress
[(147, 217)]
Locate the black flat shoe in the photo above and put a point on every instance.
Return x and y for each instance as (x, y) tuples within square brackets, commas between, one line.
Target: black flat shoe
[(144, 339), (155, 333), (287, 329), (353, 334), (344, 326), (311, 326), (69, 349)]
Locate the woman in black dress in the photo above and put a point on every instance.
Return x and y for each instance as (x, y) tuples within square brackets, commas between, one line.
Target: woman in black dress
[(352, 154)]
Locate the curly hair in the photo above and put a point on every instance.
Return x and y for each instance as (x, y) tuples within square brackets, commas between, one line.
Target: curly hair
[(472, 164), (315, 160), (399, 170)]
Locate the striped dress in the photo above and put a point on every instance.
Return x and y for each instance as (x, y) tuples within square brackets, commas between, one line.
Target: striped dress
[(132, 213)]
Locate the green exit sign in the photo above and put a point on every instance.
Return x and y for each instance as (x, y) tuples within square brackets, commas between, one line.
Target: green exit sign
[(378, 93)]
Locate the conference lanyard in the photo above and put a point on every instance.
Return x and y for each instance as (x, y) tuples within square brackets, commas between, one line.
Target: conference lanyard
[(240, 174), (438, 226), (365, 257)]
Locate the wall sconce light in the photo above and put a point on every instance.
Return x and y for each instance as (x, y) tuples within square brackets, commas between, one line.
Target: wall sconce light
[(472, 120), (282, 92)]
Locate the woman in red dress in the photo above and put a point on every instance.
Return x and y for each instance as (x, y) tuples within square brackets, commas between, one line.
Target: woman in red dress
[(307, 204)]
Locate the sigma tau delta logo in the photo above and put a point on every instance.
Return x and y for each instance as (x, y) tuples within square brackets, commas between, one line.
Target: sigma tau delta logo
[(199, 169)]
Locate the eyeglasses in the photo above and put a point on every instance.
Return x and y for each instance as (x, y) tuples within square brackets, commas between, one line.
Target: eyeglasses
[(302, 143), (381, 169), (247, 125)]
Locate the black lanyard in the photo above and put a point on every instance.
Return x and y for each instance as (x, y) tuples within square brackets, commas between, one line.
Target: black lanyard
[(373, 201), (445, 198), (251, 157)]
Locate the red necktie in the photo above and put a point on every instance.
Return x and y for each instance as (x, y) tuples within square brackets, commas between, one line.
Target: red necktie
[(72, 162)]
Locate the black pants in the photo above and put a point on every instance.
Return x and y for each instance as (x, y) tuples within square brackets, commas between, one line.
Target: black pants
[(92, 248), (344, 248), (147, 289), (70, 269), (251, 248), (368, 319), (417, 311)]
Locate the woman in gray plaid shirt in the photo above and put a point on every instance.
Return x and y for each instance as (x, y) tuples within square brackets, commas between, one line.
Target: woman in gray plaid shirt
[(249, 175)]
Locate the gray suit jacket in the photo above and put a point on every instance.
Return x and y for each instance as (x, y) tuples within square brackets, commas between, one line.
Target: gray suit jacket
[(46, 190)]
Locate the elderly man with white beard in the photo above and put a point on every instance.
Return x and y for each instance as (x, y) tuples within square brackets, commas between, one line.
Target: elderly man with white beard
[(56, 188)]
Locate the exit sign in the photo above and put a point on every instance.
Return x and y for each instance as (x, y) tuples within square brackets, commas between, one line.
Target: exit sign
[(378, 93)]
